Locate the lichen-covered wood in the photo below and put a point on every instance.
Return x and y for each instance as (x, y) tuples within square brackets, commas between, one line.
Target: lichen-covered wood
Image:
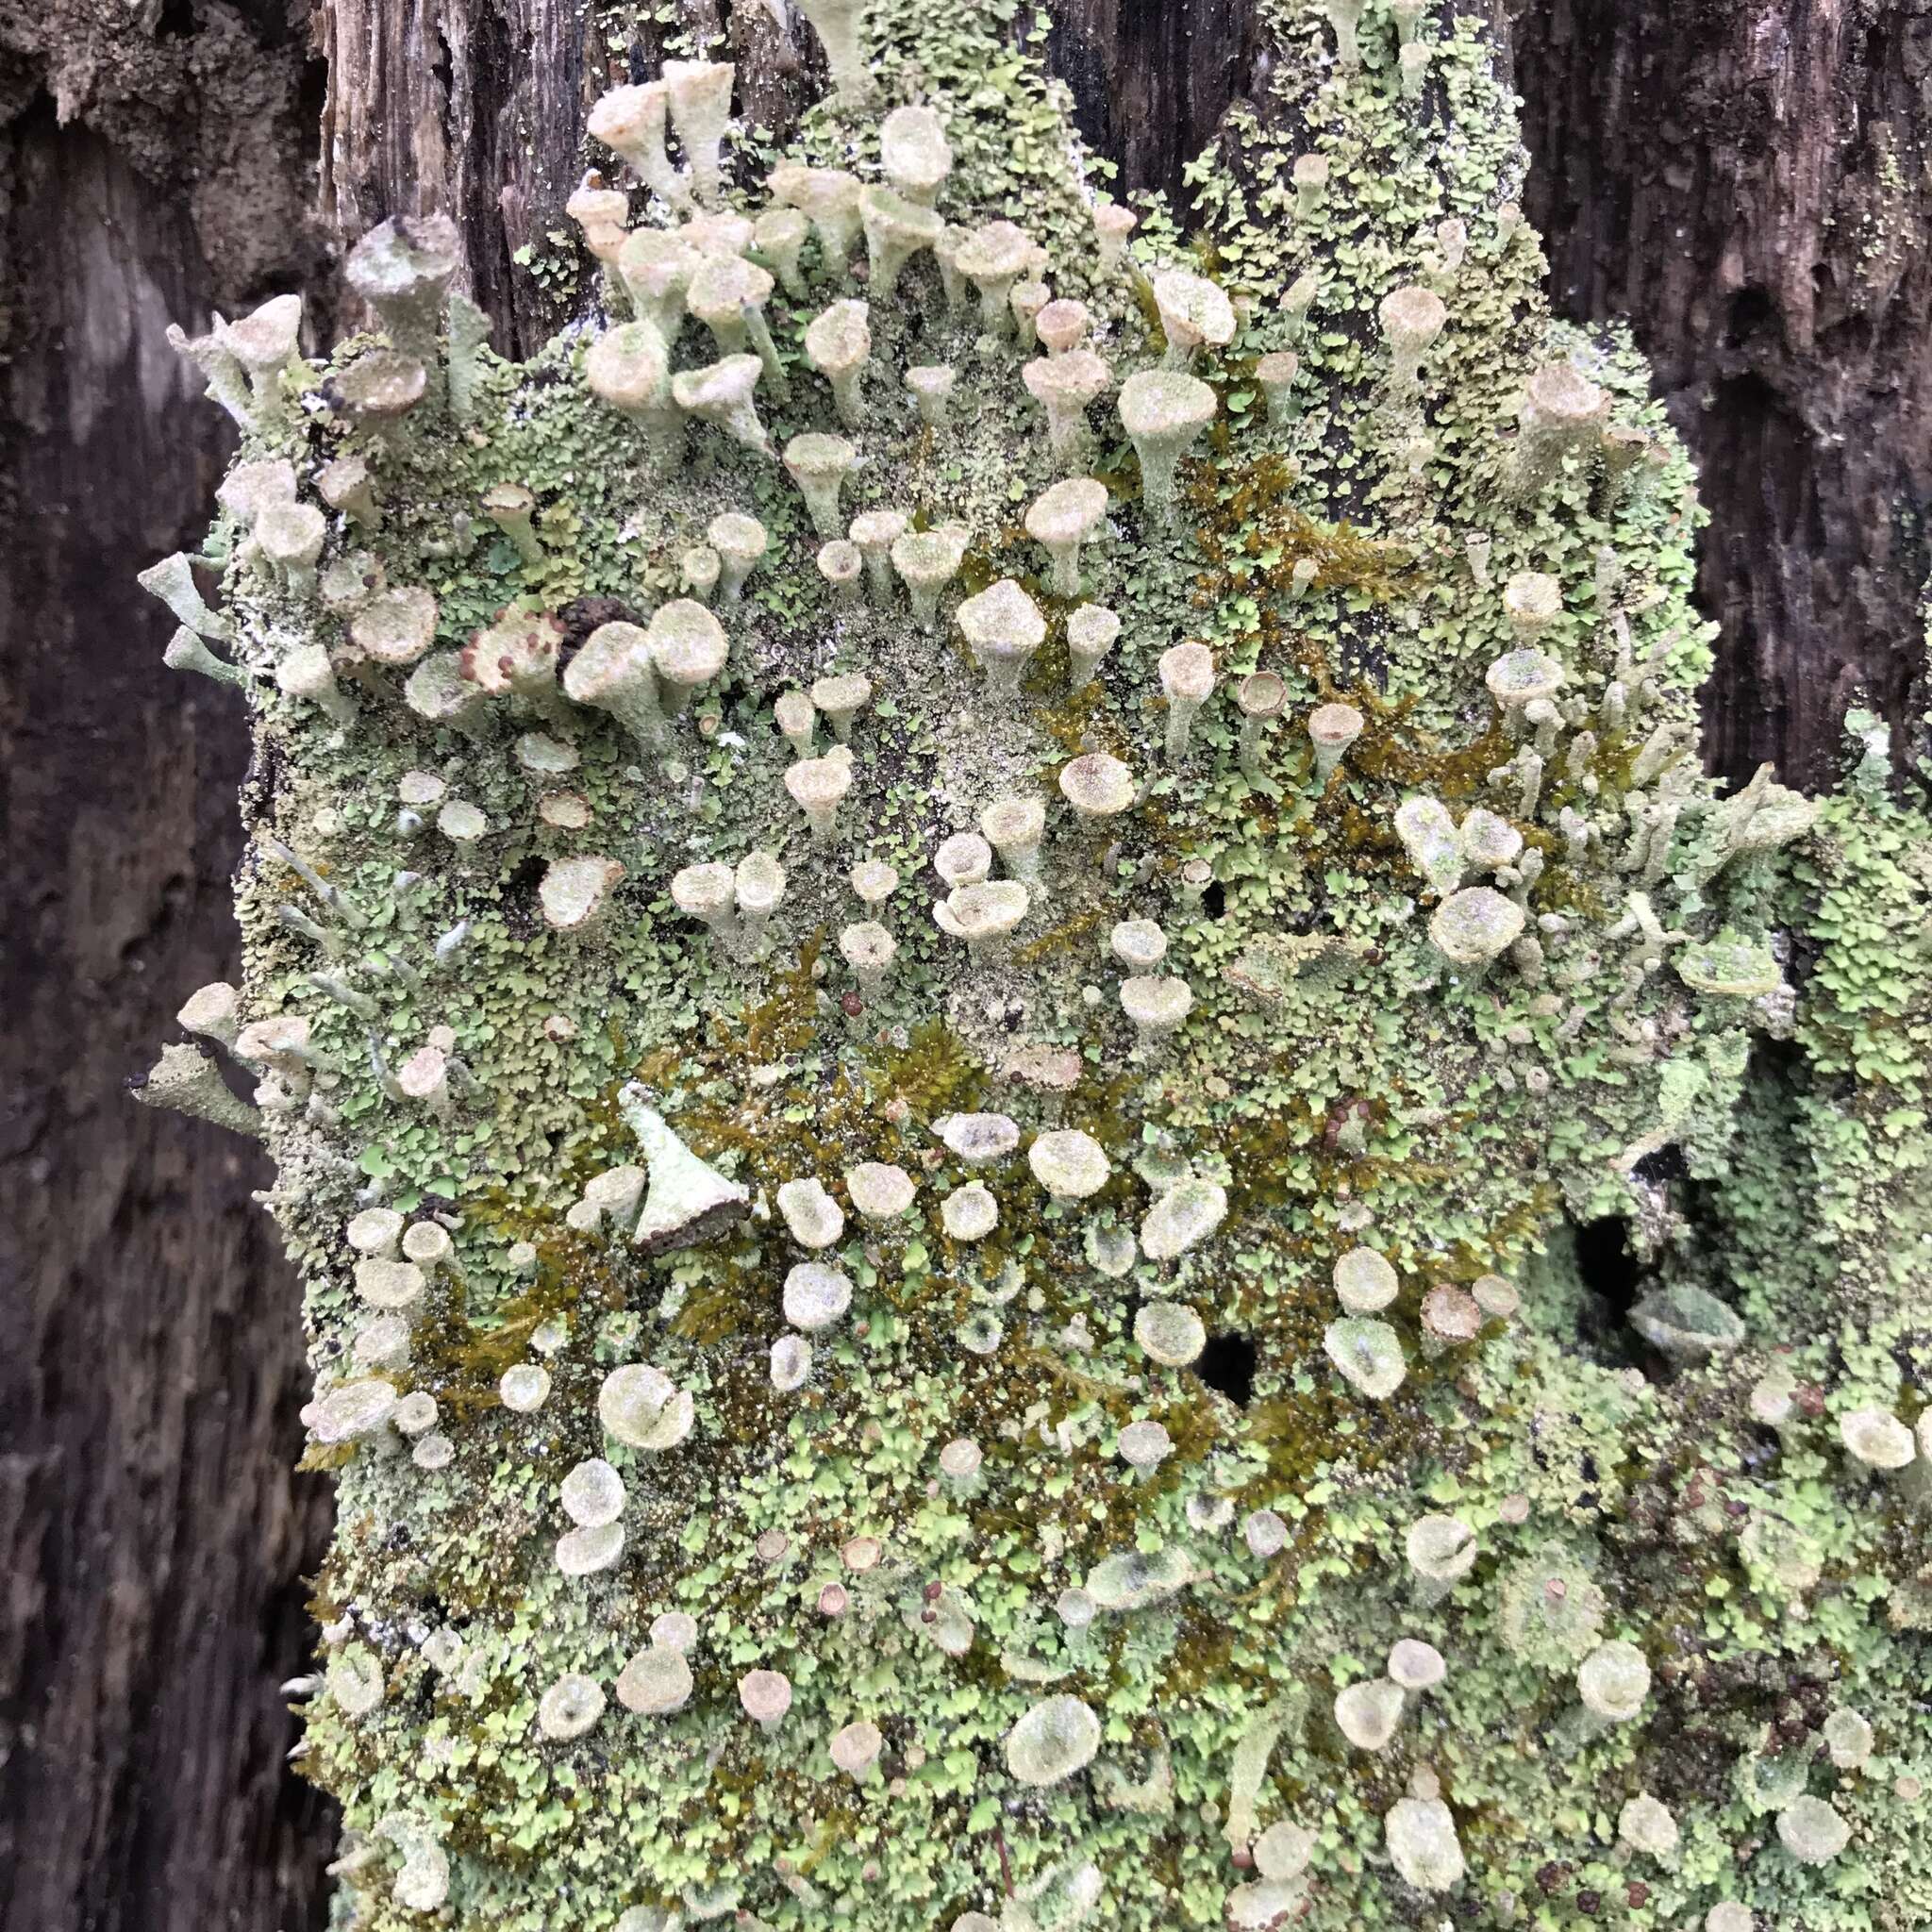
[(933, 1165)]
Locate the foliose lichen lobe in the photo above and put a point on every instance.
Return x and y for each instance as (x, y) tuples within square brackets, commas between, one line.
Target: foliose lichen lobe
[(936, 1124)]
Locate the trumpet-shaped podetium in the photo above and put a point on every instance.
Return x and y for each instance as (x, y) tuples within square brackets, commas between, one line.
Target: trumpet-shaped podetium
[(960, 934)]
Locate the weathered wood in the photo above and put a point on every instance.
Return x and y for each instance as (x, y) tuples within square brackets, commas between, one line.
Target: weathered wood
[(152, 1537), (463, 107), (1747, 181), (1151, 81)]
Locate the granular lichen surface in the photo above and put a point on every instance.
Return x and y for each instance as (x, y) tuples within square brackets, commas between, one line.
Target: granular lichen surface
[(957, 931)]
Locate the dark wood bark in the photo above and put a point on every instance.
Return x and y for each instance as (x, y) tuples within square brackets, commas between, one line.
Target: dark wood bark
[(1151, 79), (153, 1539), (1747, 181), (473, 109)]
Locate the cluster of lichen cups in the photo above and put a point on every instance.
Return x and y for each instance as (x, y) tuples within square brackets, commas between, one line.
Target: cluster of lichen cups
[(1085, 723)]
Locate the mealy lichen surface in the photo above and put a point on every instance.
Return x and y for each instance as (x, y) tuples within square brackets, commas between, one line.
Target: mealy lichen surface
[(1097, 1565)]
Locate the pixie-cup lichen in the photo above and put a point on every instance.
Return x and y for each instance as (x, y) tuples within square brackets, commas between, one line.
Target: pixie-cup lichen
[(1003, 1026)]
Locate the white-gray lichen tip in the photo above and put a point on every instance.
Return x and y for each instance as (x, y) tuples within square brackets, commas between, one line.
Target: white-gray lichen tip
[(656, 266), (1169, 1333), (688, 1200), (1367, 1712), (983, 914), (817, 463), (816, 1295), (1163, 410), (836, 22), (1054, 1740), (963, 859), (1067, 1163), (601, 212), (1877, 1438), (574, 890), (1412, 317), (187, 1080), (1473, 927), (377, 390), (1063, 385), (856, 1748), (815, 1220), (1613, 1681), (1060, 519), (1423, 1844), (643, 1408), (1519, 678), (978, 1139), (992, 257), (213, 1010), (626, 118), (1812, 1830), (172, 579), (1194, 312), (1364, 1281), (688, 648), (250, 488), (1429, 834), (1004, 627), (1532, 601), (699, 95), (913, 153), (895, 230), (1098, 786), (720, 393), (1368, 1352), (402, 268), (879, 1191), (265, 339), (1186, 1214), (1487, 841), (612, 672), (630, 370), (1559, 392)]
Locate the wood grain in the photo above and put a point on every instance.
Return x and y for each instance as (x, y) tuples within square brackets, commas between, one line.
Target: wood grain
[(153, 1538), (1747, 180)]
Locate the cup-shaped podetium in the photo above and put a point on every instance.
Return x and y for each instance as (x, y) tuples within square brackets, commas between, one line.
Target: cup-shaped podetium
[(1163, 411)]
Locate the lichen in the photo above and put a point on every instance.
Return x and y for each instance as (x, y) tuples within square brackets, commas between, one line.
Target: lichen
[(1016, 1532)]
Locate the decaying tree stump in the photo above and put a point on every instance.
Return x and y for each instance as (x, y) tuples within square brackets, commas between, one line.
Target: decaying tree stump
[(1748, 183)]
